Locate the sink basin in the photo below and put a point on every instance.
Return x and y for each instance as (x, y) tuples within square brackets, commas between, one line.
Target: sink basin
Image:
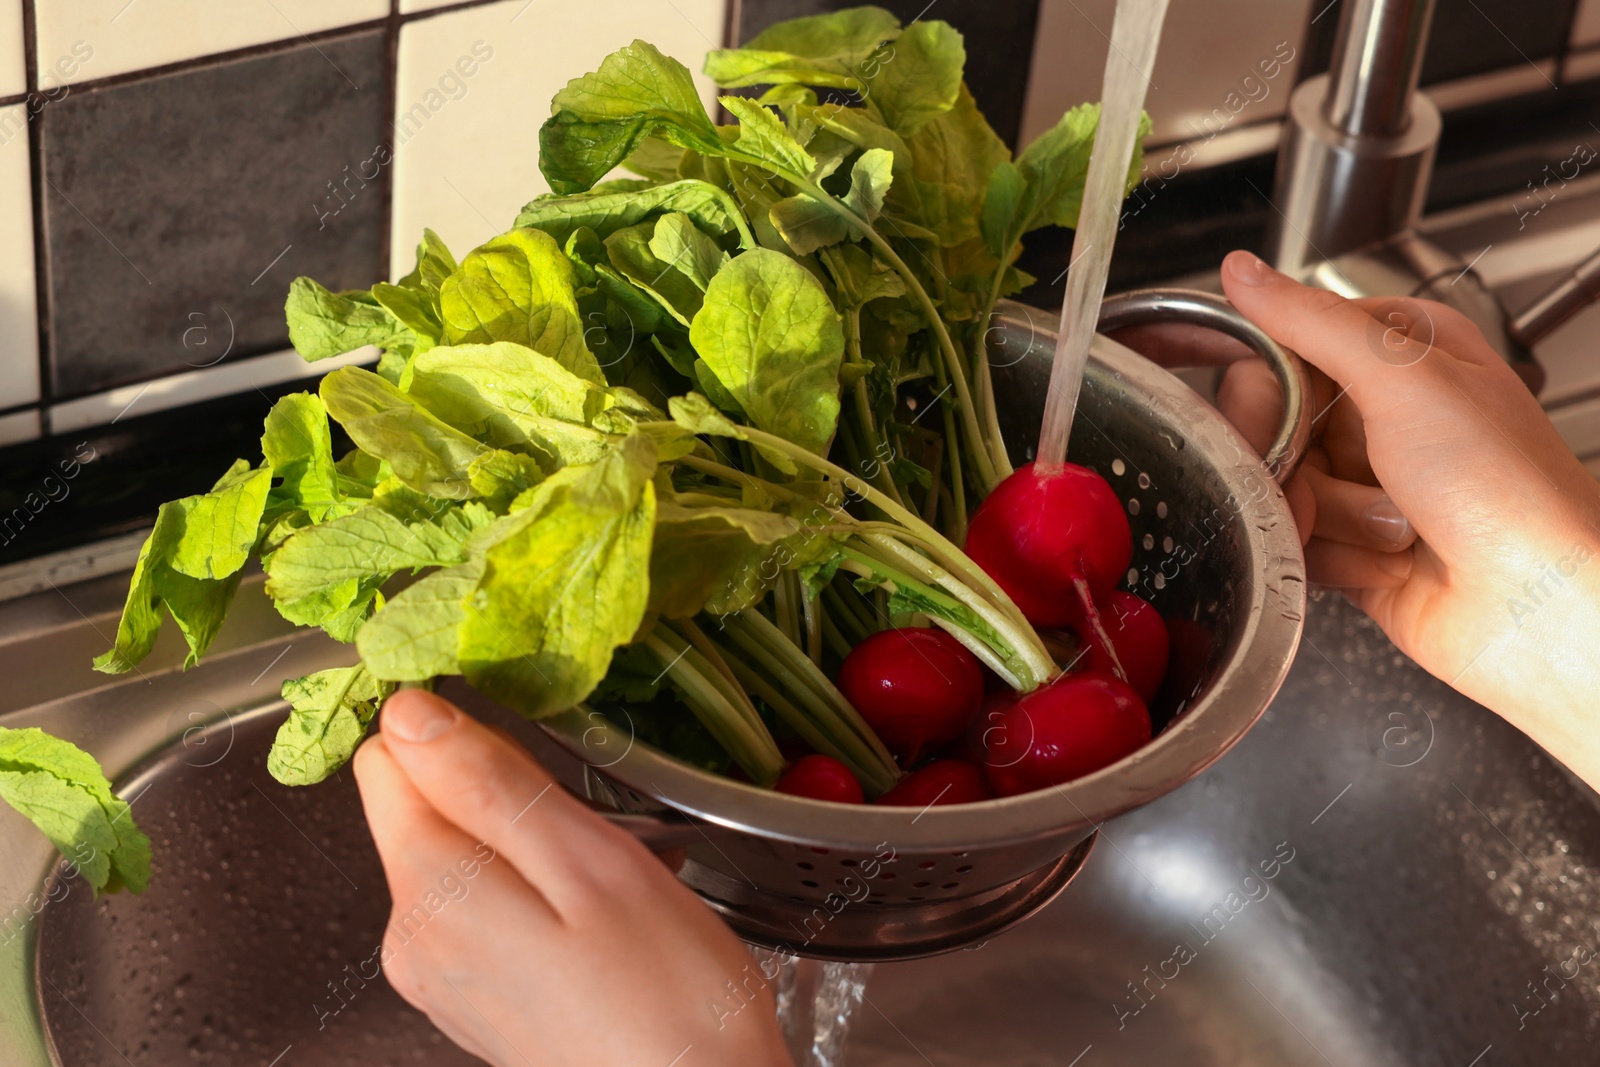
[(1433, 874), (1380, 873)]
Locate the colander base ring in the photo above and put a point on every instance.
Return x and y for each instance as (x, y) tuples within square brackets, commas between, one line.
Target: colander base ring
[(861, 934)]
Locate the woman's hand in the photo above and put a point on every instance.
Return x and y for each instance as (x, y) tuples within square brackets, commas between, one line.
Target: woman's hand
[(1440, 498), (568, 942)]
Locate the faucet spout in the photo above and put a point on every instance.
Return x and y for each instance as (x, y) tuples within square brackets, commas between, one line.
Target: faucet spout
[(1377, 58), (1358, 145)]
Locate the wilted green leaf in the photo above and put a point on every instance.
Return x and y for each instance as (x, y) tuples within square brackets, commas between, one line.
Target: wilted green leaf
[(519, 287), (325, 324), (679, 243), (329, 714), (299, 448), (605, 213), (425, 452), (414, 637), (602, 118), (831, 50), (565, 586), (704, 554), (772, 338), (62, 790)]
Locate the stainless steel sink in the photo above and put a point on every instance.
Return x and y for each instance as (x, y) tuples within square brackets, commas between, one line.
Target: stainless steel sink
[(1433, 870), (1433, 873), (1381, 873)]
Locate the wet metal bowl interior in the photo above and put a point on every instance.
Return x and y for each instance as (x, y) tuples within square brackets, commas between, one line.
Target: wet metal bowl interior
[(1215, 550)]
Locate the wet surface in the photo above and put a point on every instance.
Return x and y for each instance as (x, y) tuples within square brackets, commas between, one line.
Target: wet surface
[(1380, 874), (1433, 892)]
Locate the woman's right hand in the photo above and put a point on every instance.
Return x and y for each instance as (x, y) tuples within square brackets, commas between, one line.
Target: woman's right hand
[(1440, 498)]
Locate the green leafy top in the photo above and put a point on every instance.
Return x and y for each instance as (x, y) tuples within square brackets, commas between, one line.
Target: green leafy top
[(799, 289)]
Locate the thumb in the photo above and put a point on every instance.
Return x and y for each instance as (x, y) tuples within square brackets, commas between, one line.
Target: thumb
[(1380, 362)]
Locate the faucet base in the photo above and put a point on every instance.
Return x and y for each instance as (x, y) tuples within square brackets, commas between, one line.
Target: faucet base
[(1337, 192)]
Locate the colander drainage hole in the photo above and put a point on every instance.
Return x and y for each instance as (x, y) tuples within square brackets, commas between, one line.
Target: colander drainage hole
[(804, 866), (920, 885), (951, 885), (887, 876), (808, 883), (928, 865), (847, 863), (964, 868), (914, 900)]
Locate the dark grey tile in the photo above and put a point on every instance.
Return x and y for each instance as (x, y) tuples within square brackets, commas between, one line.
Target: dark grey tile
[(178, 208), (1477, 36), (999, 40)]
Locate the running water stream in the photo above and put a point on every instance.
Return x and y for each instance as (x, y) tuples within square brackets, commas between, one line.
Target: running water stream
[(1135, 32), (816, 1000)]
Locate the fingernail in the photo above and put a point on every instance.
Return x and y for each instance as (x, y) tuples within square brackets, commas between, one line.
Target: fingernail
[(1385, 523), (1251, 269), (417, 716)]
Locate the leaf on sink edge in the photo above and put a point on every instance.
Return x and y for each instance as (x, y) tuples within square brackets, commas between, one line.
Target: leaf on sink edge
[(62, 791)]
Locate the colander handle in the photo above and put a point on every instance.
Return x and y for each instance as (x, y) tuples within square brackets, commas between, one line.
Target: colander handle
[(1146, 307)]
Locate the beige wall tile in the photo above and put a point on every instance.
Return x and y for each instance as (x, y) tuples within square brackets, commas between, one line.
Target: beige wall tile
[(13, 76), (125, 35), (19, 331), (1211, 72), (467, 144)]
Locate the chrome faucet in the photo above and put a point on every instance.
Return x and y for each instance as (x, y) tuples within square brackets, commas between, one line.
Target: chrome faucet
[(1353, 173)]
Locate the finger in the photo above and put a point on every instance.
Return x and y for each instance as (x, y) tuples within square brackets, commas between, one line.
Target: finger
[(421, 851), (1361, 515), (1342, 566), (1378, 361), (1343, 434), (496, 792), (1179, 344), (1251, 398), (1434, 323)]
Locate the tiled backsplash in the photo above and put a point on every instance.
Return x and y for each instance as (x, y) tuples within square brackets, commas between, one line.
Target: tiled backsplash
[(167, 166)]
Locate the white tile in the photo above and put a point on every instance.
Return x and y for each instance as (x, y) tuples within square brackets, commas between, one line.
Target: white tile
[(192, 386), (19, 426), (1219, 65), (13, 75), (81, 39), (19, 328), (467, 145), (1586, 24)]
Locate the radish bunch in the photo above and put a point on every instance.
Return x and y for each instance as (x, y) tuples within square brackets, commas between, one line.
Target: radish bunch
[(1057, 542)]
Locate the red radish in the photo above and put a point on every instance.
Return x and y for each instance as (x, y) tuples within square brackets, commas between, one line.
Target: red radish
[(1043, 535), (1065, 730), (947, 781), (917, 687), (1140, 639), (974, 745), (821, 778)]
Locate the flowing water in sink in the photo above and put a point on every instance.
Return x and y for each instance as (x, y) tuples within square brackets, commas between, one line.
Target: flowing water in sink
[(1432, 876)]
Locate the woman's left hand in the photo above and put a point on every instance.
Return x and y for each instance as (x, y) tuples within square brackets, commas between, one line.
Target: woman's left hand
[(530, 930)]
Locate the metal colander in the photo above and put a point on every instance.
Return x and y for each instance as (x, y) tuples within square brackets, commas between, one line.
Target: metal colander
[(1215, 549)]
